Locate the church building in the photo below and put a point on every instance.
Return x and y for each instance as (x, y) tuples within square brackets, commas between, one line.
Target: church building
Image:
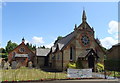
[(78, 46), (22, 55)]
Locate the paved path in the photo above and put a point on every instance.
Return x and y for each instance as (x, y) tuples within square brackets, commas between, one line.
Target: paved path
[(79, 81)]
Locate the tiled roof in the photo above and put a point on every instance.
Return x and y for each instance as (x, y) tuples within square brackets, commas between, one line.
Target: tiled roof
[(53, 49), (84, 53), (42, 52), (65, 40)]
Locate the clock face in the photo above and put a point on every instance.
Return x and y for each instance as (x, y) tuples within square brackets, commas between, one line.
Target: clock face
[(85, 40)]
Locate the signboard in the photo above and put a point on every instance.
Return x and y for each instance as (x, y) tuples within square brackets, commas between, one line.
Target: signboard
[(21, 55), (79, 73)]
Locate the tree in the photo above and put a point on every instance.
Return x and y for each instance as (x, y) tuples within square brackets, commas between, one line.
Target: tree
[(2, 50), (10, 46), (31, 47), (42, 47), (58, 38), (104, 49)]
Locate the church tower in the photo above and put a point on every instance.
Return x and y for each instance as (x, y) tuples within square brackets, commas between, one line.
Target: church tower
[(23, 40), (84, 16), (84, 33)]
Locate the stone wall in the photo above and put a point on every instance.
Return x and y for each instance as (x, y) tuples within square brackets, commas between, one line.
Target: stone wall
[(40, 62)]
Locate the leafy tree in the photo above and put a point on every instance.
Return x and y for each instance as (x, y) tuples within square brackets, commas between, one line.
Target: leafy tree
[(10, 46), (31, 47), (34, 47), (42, 47), (104, 49), (58, 38), (2, 50)]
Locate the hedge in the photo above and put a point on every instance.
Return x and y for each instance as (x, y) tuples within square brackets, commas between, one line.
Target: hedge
[(112, 65)]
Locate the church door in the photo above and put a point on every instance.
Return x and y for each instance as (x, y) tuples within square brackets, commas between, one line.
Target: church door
[(91, 60)]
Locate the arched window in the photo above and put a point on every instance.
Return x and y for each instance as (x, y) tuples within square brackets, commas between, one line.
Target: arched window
[(71, 53), (58, 56)]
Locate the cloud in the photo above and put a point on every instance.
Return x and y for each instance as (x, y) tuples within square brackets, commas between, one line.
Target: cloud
[(108, 42), (26, 41), (37, 40), (49, 45), (113, 31), (113, 27)]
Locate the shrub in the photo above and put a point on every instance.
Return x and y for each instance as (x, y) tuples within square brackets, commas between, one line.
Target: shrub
[(75, 65), (72, 65), (100, 67), (79, 64), (112, 65)]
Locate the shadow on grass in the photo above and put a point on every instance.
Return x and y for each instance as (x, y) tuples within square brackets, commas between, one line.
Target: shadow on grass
[(48, 69)]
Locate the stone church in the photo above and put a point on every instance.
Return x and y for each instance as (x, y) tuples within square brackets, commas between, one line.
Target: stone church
[(80, 45)]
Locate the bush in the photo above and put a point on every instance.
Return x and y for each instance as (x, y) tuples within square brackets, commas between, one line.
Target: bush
[(72, 65), (75, 65), (79, 64), (112, 65), (100, 67)]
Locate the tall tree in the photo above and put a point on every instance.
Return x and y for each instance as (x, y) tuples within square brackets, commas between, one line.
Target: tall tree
[(10, 46), (31, 47), (58, 38)]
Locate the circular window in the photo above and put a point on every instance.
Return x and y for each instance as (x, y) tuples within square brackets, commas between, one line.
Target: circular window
[(22, 49), (85, 40)]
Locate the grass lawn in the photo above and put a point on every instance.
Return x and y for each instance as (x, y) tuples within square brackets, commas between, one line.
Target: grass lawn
[(23, 74), (111, 73)]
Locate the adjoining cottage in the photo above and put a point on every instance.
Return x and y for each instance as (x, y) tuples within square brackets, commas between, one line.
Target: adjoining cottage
[(22, 55), (78, 46), (113, 58), (42, 57), (113, 52)]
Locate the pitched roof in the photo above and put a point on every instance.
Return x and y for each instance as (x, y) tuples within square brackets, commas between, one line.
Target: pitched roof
[(86, 52), (42, 52), (65, 40), (24, 46)]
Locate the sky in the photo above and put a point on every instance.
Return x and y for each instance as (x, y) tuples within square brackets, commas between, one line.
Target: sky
[(40, 23)]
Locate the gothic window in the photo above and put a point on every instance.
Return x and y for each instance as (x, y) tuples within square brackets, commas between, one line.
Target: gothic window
[(71, 53), (58, 56), (13, 55), (53, 57)]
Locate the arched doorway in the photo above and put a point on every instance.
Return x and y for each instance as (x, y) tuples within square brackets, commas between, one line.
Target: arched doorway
[(91, 60)]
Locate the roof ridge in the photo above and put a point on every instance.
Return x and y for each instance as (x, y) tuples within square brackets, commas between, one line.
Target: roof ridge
[(64, 37)]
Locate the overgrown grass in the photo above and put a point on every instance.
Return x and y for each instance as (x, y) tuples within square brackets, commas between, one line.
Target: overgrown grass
[(23, 74)]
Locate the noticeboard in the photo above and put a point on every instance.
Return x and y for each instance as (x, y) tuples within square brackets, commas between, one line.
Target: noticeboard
[(79, 73)]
